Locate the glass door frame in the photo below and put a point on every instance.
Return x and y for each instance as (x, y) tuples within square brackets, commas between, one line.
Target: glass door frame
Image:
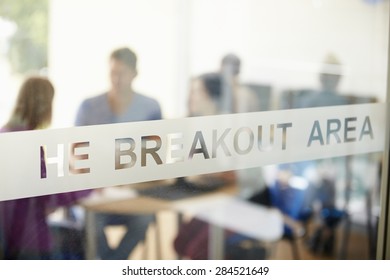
[(383, 244)]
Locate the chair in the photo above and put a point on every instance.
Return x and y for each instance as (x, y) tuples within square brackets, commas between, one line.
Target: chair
[(293, 200), (242, 247)]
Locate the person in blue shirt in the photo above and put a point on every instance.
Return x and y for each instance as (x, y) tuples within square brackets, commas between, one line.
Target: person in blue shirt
[(120, 104)]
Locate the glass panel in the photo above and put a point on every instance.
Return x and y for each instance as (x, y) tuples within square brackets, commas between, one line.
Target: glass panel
[(125, 64)]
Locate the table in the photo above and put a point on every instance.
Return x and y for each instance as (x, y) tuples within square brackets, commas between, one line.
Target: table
[(224, 211), (221, 209)]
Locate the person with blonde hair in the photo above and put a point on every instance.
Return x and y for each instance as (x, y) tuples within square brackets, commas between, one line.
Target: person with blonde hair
[(24, 231)]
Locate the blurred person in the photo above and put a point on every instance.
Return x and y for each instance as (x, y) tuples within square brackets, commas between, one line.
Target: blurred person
[(205, 99), (205, 95), (192, 241), (327, 95), (330, 77), (323, 239), (321, 175), (121, 103), (23, 222), (236, 97)]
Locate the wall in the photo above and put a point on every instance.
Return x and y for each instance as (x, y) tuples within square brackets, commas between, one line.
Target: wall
[(281, 42)]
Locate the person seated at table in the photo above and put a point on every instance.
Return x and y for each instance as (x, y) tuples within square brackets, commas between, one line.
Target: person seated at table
[(25, 233), (192, 239), (205, 99), (120, 103)]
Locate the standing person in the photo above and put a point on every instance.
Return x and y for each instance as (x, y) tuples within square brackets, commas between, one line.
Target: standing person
[(324, 238), (23, 222), (329, 78), (120, 104), (236, 98)]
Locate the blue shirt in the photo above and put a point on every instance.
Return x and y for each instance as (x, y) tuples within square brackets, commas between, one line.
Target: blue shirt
[(96, 110)]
